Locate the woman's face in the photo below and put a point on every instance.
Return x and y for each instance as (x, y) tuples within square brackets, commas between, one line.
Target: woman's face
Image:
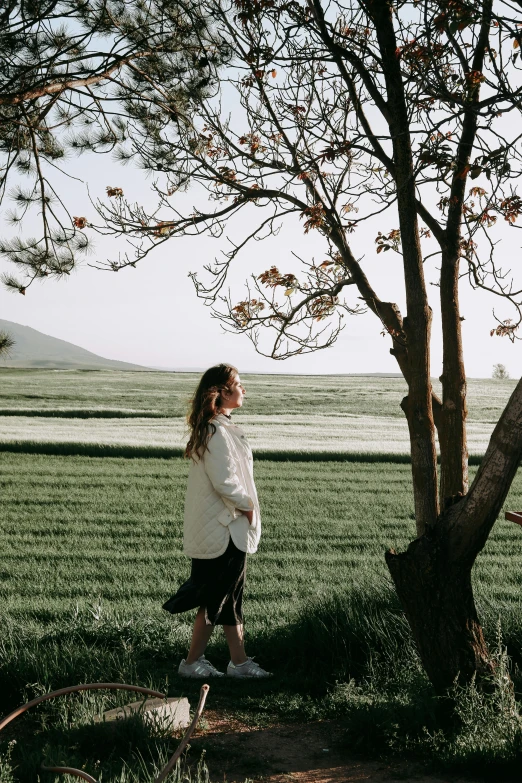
[(233, 397)]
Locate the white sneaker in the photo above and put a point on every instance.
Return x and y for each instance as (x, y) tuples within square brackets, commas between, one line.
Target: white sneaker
[(199, 670), (250, 669)]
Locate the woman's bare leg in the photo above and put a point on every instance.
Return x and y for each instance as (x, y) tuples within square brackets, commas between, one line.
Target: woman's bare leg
[(200, 636), (236, 643)]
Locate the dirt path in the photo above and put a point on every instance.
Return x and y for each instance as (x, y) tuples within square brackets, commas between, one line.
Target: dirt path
[(296, 753)]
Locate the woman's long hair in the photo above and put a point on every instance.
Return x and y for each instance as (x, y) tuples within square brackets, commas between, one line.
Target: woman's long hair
[(205, 406)]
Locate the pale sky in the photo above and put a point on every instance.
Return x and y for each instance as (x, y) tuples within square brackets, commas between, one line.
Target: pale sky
[(151, 315)]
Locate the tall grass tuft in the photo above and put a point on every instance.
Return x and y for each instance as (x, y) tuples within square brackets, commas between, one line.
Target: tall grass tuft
[(359, 647), (6, 762), (489, 726)]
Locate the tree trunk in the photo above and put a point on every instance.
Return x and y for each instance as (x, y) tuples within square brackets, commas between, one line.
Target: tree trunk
[(452, 422), (433, 577), (437, 599), (452, 430), (417, 325)]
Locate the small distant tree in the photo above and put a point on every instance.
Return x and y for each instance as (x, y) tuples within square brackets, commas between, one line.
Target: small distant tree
[(338, 114), (500, 372)]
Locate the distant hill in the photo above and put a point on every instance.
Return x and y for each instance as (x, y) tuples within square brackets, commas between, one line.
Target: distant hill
[(35, 349)]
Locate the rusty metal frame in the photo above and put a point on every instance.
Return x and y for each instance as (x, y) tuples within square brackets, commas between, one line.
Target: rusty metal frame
[(77, 773), (93, 686), (184, 742)]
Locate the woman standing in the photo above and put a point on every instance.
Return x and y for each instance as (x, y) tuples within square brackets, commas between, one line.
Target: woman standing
[(222, 524)]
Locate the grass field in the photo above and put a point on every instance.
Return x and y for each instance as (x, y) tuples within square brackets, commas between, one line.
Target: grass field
[(167, 394), (116, 524), (285, 413), (91, 548)]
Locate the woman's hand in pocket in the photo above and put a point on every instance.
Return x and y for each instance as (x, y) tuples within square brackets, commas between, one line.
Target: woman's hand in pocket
[(249, 515)]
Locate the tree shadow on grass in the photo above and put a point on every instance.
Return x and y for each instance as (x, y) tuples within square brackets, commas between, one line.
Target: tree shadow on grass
[(346, 656)]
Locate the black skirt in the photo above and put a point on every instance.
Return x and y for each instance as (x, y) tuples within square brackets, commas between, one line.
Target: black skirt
[(216, 584)]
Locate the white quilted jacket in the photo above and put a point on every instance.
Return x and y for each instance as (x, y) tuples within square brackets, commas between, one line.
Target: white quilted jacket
[(219, 485)]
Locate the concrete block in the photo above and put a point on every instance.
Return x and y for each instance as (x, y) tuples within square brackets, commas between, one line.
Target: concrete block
[(170, 714)]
